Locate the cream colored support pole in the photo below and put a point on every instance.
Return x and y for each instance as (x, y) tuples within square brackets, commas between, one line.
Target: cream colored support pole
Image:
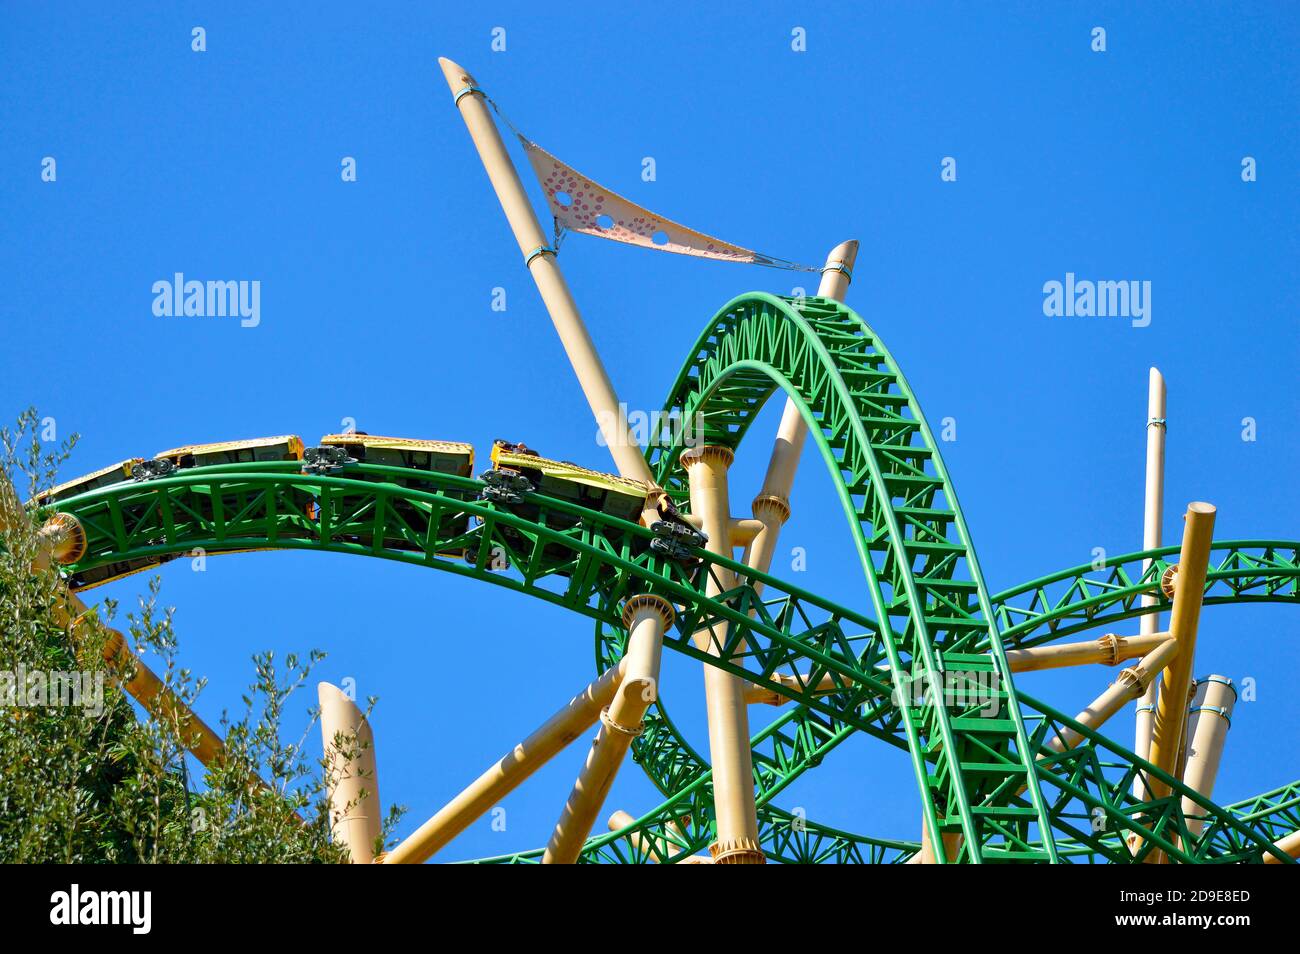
[(353, 778), (1169, 726), (755, 693), (1290, 845), (1127, 686), (63, 539), (1108, 650), (772, 512), (646, 618), (524, 759), (771, 507), (733, 767), (148, 689), (1171, 702), (144, 685), (1131, 684), (1152, 514), (837, 273), (743, 529), (829, 682), (555, 293), (1207, 731), (761, 695)]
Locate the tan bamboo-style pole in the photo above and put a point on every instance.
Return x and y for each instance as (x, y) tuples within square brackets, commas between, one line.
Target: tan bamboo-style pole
[(771, 508), (352, 777), (539, 258), (1152, 514), (1290, 844), (1171, 702), (58, 539), (742, 532), (646, 617), (576, 717), (792, 432), (148, 689), (1108, 650), (756, 694), (733, 771), (1130, 684), (1207, 732)]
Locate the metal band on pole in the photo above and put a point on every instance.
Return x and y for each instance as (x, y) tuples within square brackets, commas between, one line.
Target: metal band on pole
[(1217, 710), (465, 91), (540, 250)]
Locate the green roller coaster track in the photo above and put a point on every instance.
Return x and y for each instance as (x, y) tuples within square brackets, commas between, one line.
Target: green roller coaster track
[(991, 778)]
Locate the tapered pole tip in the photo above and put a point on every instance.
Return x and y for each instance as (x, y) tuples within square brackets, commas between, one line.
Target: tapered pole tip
[(455, 73), (845, 252), (331, 696)]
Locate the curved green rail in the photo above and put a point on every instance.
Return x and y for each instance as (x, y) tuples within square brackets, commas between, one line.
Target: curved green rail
[(1058, 605), (923, 581), (589, 568), (1090, 803), (1274, 814), (1277, 812), (1240, 571)]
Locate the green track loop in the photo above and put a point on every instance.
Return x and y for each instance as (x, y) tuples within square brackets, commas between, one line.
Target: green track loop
[(924, 585)]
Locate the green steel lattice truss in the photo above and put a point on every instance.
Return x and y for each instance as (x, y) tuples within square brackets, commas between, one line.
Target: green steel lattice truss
[(990, 778)]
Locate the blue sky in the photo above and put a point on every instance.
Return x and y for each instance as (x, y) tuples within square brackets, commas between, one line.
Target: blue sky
[(375, 304)]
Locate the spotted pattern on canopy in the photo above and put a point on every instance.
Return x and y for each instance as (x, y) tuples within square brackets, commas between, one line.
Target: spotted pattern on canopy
[(581, 205)]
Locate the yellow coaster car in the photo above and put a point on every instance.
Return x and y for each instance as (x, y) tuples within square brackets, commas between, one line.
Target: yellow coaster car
[(113, 474), (286, 447), (169, 462), (442, 457), (410, 531), (518, 470), (608, 493)]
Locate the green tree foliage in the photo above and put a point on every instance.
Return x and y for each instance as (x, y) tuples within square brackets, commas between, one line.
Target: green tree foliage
[(106, 781)]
